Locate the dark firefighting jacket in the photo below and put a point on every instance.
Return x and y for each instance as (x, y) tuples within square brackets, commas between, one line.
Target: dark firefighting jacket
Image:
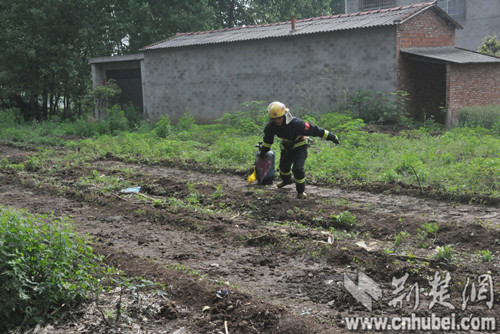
[(292, 134)]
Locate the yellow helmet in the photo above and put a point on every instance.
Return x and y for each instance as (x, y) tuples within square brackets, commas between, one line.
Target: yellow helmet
[(277, 109)]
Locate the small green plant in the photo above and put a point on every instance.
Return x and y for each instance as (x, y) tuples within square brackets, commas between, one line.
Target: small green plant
[(163, 127), (431, 228), (388, 251), (194, 196), (400, 237), (218, 192), (428, 229), (444, 253), (186, 122), (484, 255), (345, 219)]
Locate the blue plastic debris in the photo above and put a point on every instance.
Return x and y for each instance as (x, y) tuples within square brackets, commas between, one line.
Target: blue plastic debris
[(222, 293), (131, 190)]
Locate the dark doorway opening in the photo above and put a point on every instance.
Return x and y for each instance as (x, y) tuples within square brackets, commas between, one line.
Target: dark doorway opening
[(129, 80), (426, 84)]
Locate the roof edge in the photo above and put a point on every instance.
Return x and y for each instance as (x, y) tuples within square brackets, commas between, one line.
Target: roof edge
[(424, 5), (438, 10), (114, 59)]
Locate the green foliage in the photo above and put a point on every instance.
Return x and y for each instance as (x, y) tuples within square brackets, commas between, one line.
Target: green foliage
[(444, 253), (186, 122), (345, 219), (163, 127), (340, 123), (487, 117), (400, 238), (485, 255), (44, 264), (427, 230), (116, 120), (9, 118), (377, 108), (134, 117), (249, 122), (87, 127), (490, 45)]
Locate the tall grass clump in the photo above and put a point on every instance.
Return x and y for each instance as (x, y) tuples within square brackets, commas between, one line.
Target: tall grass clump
[(43, 266), (376, 107), (487, 117)]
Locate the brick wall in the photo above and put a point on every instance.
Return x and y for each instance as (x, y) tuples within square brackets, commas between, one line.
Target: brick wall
[(425, 82), (483, 78), (424, 30)]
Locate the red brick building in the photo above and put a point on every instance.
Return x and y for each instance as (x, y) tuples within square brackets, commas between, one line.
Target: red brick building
[(440, 78)]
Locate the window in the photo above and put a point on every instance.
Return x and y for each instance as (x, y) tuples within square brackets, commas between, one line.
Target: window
[(454, 8), (376, 4)]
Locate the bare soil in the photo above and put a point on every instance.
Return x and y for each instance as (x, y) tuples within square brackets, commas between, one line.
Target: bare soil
[(282, 266)]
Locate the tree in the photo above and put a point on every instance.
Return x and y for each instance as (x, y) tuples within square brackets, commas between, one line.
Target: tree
[(46, 45), (230, 13), (490, 45), (45, 50)]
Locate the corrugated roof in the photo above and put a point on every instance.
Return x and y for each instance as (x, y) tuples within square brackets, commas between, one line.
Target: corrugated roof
[(453, 55), (367, 19)]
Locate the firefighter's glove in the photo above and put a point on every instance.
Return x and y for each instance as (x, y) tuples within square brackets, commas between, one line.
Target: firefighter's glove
[(332, 137), (263, 152)]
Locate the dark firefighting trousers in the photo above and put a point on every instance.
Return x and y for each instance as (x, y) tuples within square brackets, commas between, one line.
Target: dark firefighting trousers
[(296, 157)]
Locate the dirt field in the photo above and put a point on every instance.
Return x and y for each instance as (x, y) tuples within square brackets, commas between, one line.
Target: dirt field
[(284, 270)]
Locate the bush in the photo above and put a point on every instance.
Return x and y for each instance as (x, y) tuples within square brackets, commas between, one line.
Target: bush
[(133, 116), (487, 117), (43, 264), (9, 118), (249, 122), (116, 120), (163, 127), (87, 127), (186, 122), (379, 108)]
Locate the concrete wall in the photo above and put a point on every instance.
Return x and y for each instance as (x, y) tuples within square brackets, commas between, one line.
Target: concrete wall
[(304, 72), (482, 18)]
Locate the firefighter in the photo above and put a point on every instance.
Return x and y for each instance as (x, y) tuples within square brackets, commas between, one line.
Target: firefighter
[(293, 132)]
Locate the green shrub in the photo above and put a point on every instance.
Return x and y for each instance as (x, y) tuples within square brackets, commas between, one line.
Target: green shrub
[(133, 116), (10, 118), (249, 122), (345, 220), (490, 45), (87, 127), (186, 122), (340, 122), (444, 253), (380, 108), (43, 265), (163, 127), (487, 117), (116, 120)]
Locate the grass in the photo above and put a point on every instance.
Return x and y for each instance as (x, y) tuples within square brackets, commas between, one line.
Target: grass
[(461, 163)]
